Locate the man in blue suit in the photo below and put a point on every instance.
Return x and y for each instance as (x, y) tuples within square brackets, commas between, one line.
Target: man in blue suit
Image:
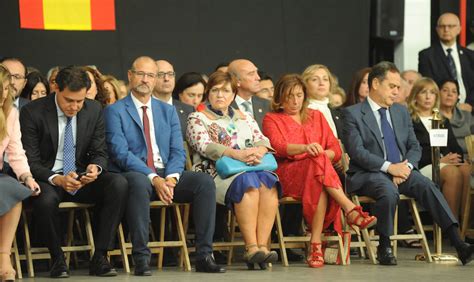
[(145, 144), (384, 153)]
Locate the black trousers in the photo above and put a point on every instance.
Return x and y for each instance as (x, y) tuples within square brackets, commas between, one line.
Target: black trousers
[(381, 188), (109, 192)]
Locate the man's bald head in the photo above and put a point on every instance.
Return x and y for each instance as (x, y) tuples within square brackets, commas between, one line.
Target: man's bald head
[(248, 80), (141, 60), (448, 28)]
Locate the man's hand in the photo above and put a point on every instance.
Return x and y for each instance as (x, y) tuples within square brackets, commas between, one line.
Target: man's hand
[(164, 192), (399, 170), (68, 182), (91, 176), (398, 180)]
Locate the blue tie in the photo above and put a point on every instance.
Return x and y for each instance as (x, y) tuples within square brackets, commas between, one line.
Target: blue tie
[(69, 153), (452, 66), (391, 147)]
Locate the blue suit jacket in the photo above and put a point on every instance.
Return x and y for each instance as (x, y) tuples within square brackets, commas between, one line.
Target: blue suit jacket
[(126, 140), (363, 141)]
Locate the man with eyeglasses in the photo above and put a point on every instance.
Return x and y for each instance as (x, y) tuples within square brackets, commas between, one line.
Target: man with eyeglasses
[(448, 60), (248, 84), (145, 144), (18, 79), (165, 82)]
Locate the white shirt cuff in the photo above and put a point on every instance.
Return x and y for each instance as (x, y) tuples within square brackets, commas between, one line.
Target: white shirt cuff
[(50, 179), (385, 166)]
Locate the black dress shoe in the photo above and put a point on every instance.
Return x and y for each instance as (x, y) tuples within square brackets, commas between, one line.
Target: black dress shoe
[(293, 256), (465, 252), (100, 266), (385, 256), (207, 264), (142, 268), (59, 268), (220, 258)]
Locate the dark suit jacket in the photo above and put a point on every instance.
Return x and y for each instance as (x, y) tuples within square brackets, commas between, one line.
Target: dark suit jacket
[(338, 117), (363, 141), (39, 130), (183, 111), (260, 108), (432, 62), (423, 137)]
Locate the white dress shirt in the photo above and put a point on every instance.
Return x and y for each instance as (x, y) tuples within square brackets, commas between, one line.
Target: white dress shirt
[(239, 101)]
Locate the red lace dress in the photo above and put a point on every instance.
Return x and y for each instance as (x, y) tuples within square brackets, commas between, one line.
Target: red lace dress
[(303, 176)]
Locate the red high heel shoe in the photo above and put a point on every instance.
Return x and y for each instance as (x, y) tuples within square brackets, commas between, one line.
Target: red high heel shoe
[(315, 258), (366, 222)]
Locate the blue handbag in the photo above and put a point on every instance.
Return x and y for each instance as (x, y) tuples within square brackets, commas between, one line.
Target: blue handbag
[(227, 166)]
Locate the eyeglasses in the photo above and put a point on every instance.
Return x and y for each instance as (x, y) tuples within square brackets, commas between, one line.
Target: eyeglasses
[(142, 74), (17, 77), (169, 74), (448, 26)]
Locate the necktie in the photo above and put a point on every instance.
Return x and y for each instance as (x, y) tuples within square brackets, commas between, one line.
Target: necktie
[(248, 107), (149, 151), (69, 152), (391, 147), (451, 65)]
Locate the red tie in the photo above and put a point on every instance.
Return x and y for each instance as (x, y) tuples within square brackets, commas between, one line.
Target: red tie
[(146, 129)]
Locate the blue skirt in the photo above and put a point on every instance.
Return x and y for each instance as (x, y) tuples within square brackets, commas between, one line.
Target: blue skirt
[(11, 193), (248, 180)]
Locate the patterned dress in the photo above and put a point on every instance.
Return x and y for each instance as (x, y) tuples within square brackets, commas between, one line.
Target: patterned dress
[(303, 176)]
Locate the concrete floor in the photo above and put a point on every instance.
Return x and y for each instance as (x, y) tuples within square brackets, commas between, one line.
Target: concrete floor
[(360, 270)]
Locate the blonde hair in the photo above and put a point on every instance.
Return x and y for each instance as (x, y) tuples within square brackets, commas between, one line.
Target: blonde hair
[(308, 72), (419, 85), (338, 91), (7, 103)]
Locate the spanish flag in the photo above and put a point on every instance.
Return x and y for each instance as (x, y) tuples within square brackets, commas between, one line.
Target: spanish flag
[(67, 14)]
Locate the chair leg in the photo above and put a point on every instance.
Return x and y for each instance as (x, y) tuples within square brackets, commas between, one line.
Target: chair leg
[(162, 238), (70, 234), (466, 215), (233, 224), (123, 249), (281, 239), (395, 232), (419, 229), (27, 243), (368, 244), (340, 246), (182, 238), (89, 234), (16, 258)]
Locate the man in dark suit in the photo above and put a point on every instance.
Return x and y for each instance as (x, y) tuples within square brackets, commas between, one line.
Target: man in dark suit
[(64, 139), (248, 84), (18, 76), (384, 155), (448, 60), (165, 83), (145, 144)]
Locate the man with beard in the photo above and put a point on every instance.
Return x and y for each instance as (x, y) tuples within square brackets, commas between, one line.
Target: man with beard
[(145, 144), (18, 79)]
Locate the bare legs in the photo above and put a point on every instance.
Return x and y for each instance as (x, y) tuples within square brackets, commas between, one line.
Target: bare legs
[(256, 215), (452, 182), (8, 225)]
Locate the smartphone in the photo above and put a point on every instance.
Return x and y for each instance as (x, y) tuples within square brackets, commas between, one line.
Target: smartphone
[(80, 175)]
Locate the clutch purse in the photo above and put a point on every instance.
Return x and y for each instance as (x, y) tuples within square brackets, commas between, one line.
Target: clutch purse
[(227, 166)]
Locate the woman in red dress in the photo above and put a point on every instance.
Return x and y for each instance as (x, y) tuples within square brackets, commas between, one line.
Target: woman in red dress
[(305, 150)]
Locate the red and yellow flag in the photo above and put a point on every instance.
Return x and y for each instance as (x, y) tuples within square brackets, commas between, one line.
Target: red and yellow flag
[(67, 14)]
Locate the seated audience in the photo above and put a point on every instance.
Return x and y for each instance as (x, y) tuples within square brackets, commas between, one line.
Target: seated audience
[(64, 139), (410, 76), (36, 86), (18, 79), (223, 67), (220, 130), (403, 93), (359, 89), (189, 89), (145, 144), (338, 98), (96, 91), (385, 168), (266, 86), (305, 149), (51, 77), (11, 191), (455, 173), (123, 89), (111, 90), (461, 121)]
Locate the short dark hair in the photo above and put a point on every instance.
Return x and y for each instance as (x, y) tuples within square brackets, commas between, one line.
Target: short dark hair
[(32, 79), (264, 76), (217, 78), (220, 65), (453, 81), (74, 78), (187, 80), (380, 70), (4, 59)]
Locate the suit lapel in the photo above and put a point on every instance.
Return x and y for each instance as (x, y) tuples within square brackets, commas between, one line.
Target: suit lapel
[(132, 111), (369, 119), (52, 122), (397, 125), (257, 108), (81, 126), (440, 54), (462, 59), (157, 122)]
